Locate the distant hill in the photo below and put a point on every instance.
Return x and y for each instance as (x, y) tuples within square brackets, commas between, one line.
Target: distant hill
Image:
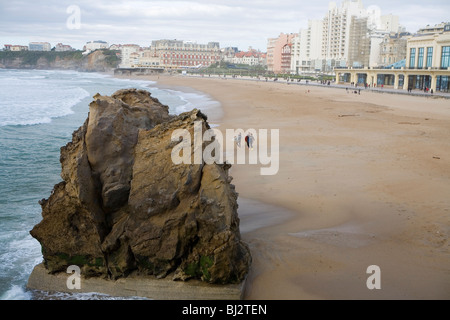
[(99, 60)]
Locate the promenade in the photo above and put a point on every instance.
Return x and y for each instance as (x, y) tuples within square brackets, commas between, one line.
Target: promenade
[(346, 86)]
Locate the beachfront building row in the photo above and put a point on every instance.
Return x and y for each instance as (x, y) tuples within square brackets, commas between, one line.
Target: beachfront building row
[(426, 67)]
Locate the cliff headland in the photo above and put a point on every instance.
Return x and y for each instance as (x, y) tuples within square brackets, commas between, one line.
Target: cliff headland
[(97, 61)]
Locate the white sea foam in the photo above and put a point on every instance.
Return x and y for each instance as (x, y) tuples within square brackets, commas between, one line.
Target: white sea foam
[(44, 295), (196, 100), (29, 100), (16, 293)]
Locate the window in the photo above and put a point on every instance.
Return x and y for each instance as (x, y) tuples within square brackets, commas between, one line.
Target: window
[(429, 57), (420, 58), (412, 58), (445, 57)]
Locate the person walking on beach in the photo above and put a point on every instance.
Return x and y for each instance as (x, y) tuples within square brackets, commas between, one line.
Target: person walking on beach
[(237, 139), (249, 140)]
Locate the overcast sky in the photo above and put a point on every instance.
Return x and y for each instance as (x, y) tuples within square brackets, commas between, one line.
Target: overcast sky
[(237, 23)]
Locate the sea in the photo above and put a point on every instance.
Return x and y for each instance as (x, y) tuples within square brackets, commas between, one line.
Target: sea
[(39, 110)]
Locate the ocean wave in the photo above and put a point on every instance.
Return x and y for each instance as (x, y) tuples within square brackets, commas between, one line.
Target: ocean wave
[(141, 83)]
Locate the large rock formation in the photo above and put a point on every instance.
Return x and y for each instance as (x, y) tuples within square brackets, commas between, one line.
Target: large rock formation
[(123, 205)]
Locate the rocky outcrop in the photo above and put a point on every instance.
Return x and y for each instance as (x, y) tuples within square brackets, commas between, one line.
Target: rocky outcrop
[(124, 207)]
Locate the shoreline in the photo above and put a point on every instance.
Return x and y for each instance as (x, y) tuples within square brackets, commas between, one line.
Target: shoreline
[(366, 179)]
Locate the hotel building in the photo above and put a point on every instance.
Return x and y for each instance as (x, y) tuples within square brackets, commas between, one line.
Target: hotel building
[(176, 54)]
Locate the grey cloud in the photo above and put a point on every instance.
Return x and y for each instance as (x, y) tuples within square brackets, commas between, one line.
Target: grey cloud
[(241, 23)]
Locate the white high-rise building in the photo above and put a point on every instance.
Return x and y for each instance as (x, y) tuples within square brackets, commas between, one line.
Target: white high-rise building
[(336, 28), (307, 47)]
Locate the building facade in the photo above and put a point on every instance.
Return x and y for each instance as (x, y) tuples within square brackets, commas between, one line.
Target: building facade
[(359, 45), (307, 48), (96, 45), (429, 50), (279, 53), (337, 27), (63, 47), (39, 46), (393, 48), (130, 55)]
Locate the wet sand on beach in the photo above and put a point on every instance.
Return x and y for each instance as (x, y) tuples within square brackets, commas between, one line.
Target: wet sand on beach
[(363, 180)]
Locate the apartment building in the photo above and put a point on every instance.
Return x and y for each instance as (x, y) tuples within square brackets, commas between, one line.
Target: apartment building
[(279, 53)]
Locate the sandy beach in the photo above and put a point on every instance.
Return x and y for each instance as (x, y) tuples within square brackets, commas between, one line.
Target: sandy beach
[(363, 180)]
